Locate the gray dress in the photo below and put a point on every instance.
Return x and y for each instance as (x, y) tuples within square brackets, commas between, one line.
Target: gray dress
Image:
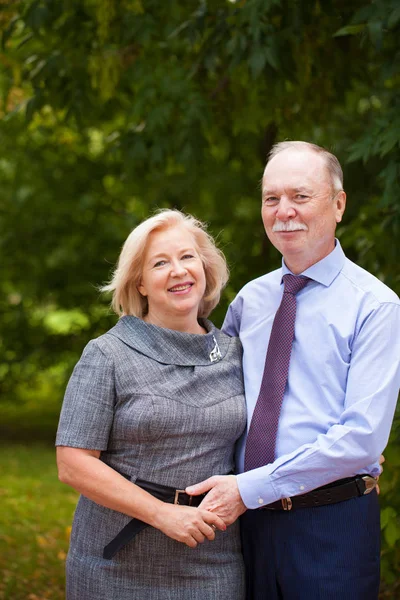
[(165, 407)]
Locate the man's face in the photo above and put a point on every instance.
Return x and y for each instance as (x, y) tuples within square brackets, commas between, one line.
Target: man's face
[(300, 208)]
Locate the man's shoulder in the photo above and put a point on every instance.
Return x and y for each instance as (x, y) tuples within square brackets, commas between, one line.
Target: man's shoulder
[(369, 284), (252, 299), (264, 282)]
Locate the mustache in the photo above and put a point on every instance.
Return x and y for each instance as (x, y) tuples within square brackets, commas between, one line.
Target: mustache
[(289, 226)]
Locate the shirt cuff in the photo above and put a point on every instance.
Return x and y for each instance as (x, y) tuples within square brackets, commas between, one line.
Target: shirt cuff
[(256, 488)]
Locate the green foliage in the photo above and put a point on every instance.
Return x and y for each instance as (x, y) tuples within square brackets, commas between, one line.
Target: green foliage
[(110, 109), (390, 516)]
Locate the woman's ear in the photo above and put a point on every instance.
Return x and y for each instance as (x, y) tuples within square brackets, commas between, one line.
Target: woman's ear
[(141, 289)]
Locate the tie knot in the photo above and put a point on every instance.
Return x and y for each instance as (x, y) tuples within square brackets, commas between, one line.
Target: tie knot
[(294, 283)]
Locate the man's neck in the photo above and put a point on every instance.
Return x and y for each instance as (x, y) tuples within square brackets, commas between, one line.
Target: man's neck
[(299, 264)]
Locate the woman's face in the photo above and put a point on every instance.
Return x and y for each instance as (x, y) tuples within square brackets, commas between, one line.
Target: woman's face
[(173, 278)]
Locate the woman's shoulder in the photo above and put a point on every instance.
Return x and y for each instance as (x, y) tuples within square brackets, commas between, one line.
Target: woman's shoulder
[(106, 343)]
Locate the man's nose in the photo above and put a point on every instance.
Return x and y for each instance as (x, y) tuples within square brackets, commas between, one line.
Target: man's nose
[(285, 209)]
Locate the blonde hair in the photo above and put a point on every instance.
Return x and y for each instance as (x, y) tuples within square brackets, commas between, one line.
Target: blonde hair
[(332, 163), (127, 300)]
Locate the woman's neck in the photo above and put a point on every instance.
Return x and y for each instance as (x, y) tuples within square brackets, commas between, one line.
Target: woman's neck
[(183, 324)]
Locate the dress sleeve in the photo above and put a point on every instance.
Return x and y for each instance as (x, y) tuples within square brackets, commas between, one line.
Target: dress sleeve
[(88, 408)]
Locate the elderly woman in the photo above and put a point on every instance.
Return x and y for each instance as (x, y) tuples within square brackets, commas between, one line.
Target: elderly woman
[(154, 405)]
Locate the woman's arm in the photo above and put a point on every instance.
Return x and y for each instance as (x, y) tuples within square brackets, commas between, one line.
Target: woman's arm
[(82, 470)]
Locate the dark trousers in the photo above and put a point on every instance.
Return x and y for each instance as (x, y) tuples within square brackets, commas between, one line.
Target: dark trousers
[(323, 553)]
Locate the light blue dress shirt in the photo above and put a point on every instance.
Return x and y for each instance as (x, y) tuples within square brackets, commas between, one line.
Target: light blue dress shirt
[(343, 381)]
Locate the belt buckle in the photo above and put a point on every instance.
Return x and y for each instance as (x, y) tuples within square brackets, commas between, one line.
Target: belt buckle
[(178, 493), (370, 483), (286, 503)]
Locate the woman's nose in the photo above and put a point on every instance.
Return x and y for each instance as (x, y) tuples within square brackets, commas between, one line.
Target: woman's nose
[(178, 269)]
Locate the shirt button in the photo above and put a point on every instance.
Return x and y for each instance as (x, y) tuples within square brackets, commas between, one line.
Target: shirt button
[(302, 487), (260, 501)]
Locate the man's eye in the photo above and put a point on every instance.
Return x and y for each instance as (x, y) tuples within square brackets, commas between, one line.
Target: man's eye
[(300, 197), (270, 200)]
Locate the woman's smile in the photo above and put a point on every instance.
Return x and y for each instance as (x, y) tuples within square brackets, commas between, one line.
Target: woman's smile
[(173, 279)]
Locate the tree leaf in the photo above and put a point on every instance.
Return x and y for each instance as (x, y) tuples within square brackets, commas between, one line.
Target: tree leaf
[(387, 515), (375, 29), (394, 18), (350, 30), (392, 533), (257, 61), (7, 33)]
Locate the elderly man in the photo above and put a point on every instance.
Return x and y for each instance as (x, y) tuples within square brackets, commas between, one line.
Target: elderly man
[(321, 368)]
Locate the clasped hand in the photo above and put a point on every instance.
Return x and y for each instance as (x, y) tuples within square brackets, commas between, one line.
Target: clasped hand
[(223, 497), (188, 524), (220, 508)]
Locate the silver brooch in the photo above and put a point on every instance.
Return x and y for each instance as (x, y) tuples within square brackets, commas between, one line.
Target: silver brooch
[(215, 353)]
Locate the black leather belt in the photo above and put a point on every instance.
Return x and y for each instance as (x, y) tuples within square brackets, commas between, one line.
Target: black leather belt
[(162, 492), (338, 491)]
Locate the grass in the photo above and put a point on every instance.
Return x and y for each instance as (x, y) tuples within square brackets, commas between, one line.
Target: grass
[(35, 518)]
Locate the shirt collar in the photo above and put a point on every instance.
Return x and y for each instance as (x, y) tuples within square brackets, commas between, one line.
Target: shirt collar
[(325, 270)]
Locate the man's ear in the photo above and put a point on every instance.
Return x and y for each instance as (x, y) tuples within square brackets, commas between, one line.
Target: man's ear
[(340, 205)]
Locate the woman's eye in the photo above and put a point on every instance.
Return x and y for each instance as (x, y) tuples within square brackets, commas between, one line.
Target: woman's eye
[(186, 256), (160, 263)]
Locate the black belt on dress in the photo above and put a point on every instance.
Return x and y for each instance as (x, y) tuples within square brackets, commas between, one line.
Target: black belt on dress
[(338, 491), (162, 492)]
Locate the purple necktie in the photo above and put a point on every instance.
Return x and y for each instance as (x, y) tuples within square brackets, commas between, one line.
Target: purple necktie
[(261, 439)]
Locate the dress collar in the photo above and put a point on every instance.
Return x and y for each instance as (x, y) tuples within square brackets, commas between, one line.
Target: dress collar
[(172, 347)]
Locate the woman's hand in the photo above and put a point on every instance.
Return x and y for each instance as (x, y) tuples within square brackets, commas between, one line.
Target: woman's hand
[(83, 470), (188, 524)]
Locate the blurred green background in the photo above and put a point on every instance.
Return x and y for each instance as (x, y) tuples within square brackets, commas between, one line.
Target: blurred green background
[(110, 109)]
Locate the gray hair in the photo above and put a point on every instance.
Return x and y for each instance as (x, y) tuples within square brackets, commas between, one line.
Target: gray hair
[(332, 163)]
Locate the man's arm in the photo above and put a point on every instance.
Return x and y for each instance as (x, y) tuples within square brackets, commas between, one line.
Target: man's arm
[(347, 447), (231, 324)]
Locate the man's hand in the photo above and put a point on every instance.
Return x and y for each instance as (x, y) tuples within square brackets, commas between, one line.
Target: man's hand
[(381, 461), (223, 497)]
